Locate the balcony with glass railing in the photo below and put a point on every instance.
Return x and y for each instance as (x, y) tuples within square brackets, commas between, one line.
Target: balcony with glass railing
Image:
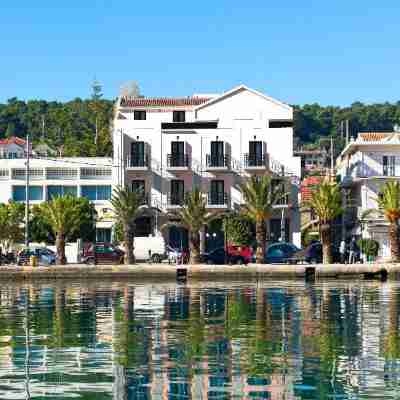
[(219, 162), (178, 162)]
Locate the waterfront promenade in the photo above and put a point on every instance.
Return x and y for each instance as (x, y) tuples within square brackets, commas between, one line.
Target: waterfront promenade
[(200, 272)]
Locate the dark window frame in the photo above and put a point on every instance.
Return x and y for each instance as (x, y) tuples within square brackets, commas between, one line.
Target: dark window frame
[(139, 115), (179, 116)]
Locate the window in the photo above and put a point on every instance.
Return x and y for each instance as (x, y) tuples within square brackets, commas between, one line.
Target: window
[(139, 115), (217, 192), (177, 192), (53, 191), (95, 173), (19, 173), (178, 116), (3, 174), (103, 235), (138, 154), (35, 193), (281, 123), (62, 173), (97, 192), (389, 163)]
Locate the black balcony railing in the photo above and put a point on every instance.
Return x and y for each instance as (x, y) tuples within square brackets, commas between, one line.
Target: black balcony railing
[(216, 161), (140, 160), (177, 160), (254, 160), (175, 199), (217, 198)]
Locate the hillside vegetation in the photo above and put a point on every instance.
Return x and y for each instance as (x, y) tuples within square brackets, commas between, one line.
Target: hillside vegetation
[(70, 127)]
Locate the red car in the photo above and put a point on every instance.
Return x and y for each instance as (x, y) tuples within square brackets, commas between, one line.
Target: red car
[(105, 253), (240, 252)]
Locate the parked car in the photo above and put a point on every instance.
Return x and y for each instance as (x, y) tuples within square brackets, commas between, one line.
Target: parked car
[(45, 256), (312, 254), (280, 253), (105, 253), (150, 247), (235, 255), (177, 255)]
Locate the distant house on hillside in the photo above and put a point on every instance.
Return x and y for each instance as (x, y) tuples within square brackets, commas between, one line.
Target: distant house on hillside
[(13, 147)]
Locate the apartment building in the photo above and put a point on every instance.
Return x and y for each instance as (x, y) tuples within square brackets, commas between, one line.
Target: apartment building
[(168, 146), (364, 165), (87, 177)]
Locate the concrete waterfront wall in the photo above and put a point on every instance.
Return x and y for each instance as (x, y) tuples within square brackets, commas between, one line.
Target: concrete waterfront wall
[(199, 272)]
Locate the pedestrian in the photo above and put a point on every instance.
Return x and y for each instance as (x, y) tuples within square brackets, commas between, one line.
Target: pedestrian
[(342, 251), (352, 251)]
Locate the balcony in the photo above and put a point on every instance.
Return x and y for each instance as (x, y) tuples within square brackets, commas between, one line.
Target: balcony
[(138, 163), (254, 162), (216, 163), (283, 202), (178, 162), (175, 200), (217, 200)]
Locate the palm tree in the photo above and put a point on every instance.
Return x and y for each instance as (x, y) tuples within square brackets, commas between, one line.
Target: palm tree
[(326, 202), (260, 197), (126, 204), (194, 216), (62, 214), (389, 202)]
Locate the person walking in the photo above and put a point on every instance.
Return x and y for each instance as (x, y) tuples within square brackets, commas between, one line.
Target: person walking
[(342, 251), (352, 251)]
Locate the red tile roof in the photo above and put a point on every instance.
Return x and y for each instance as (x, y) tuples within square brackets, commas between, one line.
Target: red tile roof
[(374, 136), (13, 140), (162, 102), (308, 185)]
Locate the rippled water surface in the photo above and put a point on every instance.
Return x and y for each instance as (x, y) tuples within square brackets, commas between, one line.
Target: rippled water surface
[(271, 340)]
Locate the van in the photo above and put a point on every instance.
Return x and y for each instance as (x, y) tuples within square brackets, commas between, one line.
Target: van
[(150, 247)]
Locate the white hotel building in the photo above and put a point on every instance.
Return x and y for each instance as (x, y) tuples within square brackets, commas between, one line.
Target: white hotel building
[(365, 165), (168, 146)]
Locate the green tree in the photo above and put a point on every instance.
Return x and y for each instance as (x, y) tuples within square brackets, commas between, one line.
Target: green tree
[(194, 216), (40, 229), (326, 201), (237, 229), (11, 223), (62, 215), (126, 204), (389, 202), (260, 196)]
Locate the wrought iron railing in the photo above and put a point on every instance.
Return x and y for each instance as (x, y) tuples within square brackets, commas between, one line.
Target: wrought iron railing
[(177, 160), (217, 161)]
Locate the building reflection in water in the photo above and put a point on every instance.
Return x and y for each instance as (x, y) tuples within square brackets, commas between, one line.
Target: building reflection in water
[(276, 341)]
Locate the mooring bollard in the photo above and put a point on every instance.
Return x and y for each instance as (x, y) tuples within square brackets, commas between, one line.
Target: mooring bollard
[(310, 274), (181, 274)]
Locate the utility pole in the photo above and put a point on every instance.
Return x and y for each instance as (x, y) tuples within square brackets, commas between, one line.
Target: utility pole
[(27, 193)]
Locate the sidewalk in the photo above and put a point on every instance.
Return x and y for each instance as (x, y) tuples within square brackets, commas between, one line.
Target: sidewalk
[(196, 272)]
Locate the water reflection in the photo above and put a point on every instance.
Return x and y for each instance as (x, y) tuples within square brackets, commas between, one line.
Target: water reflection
[(276, 341)]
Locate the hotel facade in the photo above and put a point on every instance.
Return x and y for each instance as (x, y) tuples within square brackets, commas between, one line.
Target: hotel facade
[(168, 146)]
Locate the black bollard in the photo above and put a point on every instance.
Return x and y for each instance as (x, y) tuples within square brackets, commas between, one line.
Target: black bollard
[(310, 274), (181, 275)]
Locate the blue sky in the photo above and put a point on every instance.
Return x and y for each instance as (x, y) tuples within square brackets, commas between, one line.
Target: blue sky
[(300, 52)]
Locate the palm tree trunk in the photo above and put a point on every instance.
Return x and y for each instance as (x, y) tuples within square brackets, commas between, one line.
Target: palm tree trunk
[(60, 246), (194, 243), (260, 238), (325, 231), (129, 257), (394, 241)]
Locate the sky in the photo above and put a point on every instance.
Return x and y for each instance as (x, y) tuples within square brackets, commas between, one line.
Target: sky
[(331, 52)]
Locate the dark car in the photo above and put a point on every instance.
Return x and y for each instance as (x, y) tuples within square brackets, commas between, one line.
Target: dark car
[(105, 253), (280, 253), (312, 254), (43, 254), (218, 256)]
